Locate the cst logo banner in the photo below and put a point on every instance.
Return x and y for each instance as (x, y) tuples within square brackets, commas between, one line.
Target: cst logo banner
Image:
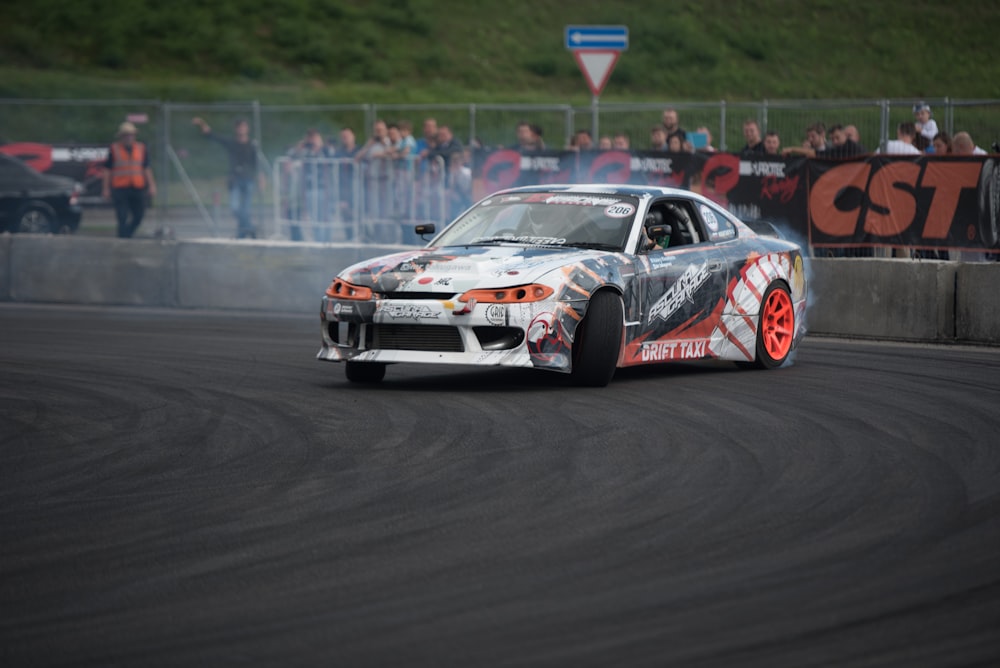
[(923, 202)]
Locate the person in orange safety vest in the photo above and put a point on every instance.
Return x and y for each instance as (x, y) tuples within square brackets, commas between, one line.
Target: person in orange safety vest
[(128, 179)]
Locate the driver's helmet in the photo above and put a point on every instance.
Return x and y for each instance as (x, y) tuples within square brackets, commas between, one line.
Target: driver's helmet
[(655, 217), (540, 219)]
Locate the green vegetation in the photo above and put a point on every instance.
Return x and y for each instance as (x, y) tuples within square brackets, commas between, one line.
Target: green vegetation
[(426, 51)]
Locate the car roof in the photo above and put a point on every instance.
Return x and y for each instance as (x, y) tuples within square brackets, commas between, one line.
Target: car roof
[(611, 189)]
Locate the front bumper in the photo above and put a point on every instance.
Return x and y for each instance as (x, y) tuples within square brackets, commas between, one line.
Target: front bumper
[(446, 331)]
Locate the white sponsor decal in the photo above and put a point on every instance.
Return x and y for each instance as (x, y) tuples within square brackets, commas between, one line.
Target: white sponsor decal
[(620, 210), (539, 241), (411, 311), (582, 200), (496, 314), (539, 164), (682, 291), (709, 217), (666, 351), (79, 154), (748, 168), (663, 165)]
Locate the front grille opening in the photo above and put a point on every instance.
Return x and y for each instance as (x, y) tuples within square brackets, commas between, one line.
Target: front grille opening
[(432, 338), (499, 338), (343, 333)]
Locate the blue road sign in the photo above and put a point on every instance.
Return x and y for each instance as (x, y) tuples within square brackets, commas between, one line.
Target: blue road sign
[(608, 38)]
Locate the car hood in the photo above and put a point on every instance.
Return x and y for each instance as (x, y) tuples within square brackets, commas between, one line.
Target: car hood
[(448, 270), (18, 177)]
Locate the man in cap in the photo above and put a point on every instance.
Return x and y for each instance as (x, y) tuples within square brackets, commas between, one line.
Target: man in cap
[(128, 179)]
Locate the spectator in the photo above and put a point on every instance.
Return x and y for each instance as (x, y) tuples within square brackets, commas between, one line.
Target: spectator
[(841, 146), (401, 175), (962, 144), (378, 143), (924, 124), (529, 138), (347, 146), (447, 145), (315, 175), (582, 141), (459, 183), (537, 134), (852, 133), (658, 138), (772, 143), (128, 179), (815, 142), (675, 144), (605, 143), (374, 158), (751, 132), (409, 144), (428, 142), (346, 151), (707, 148), (942, 143), (672, 125), (243, 173), (621, 142), (903, 143)]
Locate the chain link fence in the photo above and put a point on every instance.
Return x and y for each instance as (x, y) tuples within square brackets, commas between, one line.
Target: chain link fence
[(192, 172)]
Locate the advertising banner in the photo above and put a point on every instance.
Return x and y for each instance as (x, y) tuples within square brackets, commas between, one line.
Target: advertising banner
[(924, 202), (920, 202)]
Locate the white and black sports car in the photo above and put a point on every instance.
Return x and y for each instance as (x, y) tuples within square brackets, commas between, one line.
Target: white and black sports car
[(581, 279)]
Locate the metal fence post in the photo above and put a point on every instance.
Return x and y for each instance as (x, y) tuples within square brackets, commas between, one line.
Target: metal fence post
[(884, 124), (164, 181), (722, 125)]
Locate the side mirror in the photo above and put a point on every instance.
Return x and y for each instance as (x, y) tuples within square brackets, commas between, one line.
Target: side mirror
[(424, 229)]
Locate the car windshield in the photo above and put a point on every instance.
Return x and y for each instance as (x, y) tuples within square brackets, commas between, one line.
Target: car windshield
[(581, 220)]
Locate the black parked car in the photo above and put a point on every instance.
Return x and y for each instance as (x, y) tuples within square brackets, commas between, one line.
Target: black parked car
[(37, 203)]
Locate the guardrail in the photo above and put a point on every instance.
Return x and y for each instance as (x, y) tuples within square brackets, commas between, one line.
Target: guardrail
[(926, 301)]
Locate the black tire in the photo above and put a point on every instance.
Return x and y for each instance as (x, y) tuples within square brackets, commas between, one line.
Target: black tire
[(598, 341), (989, 204), (365, 372), (777, 321), (34, 220)]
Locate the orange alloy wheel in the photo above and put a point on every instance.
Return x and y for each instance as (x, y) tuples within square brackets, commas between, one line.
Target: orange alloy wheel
[(778, 324)]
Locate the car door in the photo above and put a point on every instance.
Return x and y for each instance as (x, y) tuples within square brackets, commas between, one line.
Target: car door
[(682, 290)]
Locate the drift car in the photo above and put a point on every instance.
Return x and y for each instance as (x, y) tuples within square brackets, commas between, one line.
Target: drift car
[(579, 279)]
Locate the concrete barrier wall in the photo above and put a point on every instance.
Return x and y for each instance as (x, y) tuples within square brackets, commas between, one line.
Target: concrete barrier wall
[(883, 299), (82, 270), (977, 302), (276, 276), (854, 297)]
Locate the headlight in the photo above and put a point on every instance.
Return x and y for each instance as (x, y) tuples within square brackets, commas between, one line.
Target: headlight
[(341, 289), (519, 295)]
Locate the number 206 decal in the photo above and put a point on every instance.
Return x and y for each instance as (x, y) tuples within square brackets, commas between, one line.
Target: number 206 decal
[(619, 211)]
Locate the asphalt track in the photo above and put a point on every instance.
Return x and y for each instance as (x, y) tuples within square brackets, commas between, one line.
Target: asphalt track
[(195, 489)]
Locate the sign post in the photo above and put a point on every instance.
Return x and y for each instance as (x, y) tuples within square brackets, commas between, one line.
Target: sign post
[(596, 50)]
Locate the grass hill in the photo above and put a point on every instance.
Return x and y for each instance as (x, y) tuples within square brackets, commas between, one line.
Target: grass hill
[(424, 51)]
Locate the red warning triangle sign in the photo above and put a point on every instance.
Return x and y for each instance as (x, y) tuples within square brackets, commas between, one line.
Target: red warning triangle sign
[(596, 66)]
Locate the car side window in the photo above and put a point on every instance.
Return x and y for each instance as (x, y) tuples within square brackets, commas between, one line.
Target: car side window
[(686, 225), (718, 227)]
